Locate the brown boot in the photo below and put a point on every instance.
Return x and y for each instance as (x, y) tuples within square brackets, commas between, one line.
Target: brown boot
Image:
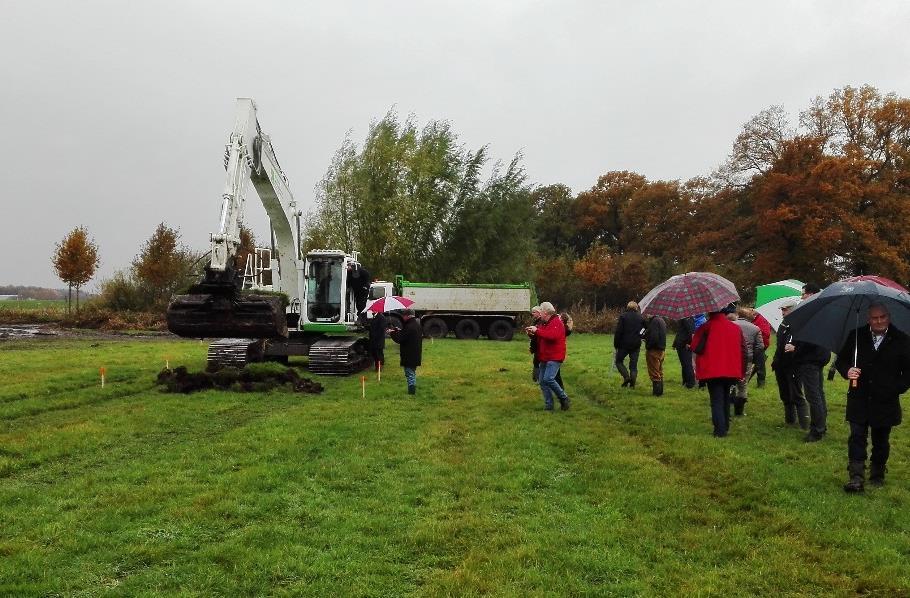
[(857, 471)]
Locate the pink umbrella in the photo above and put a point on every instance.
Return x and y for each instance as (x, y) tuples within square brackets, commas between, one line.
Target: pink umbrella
[(885, 282), (391, 303)]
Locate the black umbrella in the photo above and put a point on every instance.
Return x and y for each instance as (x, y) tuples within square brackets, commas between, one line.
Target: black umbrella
[(828, 318)]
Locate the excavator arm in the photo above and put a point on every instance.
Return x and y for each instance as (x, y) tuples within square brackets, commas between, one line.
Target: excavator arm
[(214, 307)]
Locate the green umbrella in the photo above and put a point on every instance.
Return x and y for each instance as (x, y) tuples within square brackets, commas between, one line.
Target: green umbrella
[(769, 297)]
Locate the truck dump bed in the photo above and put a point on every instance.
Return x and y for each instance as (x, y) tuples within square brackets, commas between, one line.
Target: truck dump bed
[(478, 298)]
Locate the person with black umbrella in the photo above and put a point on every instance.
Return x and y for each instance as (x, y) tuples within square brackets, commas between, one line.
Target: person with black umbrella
[(876, 360)]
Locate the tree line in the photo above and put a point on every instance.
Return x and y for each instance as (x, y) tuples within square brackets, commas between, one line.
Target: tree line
[(816, 198)]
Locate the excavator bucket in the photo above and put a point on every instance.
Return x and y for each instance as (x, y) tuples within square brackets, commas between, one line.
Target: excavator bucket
[(215, 315)]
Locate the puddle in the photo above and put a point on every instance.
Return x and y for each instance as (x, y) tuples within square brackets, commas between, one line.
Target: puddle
[(25, 331)]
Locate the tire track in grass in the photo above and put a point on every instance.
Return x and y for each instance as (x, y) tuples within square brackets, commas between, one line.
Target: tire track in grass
[(738, 499)]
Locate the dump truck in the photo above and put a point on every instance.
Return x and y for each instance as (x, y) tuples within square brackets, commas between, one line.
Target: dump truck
[(468, 310)]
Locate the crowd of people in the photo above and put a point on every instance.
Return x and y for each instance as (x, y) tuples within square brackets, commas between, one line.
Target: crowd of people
[(722, 351)]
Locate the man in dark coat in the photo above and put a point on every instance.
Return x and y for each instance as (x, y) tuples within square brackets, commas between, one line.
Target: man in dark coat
[(791, 394), (880, 374), (410, 337), (684, 330), (655, 347), (627, 342), (359, 280), (377, 339)]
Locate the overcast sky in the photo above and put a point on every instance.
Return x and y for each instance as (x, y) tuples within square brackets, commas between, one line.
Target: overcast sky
[(116, 113)]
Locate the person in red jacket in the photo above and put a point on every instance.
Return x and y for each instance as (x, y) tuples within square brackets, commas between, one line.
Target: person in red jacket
[(551, 352), (719, 363)]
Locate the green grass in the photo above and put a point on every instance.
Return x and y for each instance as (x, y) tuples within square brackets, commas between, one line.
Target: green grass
[(34, 304), (469, 488)]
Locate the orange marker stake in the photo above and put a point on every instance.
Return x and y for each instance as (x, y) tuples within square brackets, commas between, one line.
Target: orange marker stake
[(363, 387), (103, 371), (379, 371)]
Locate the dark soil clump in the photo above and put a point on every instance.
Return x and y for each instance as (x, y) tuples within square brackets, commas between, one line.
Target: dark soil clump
[(256, 377)]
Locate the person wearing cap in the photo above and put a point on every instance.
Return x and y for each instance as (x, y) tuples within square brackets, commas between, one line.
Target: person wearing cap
[(410, 339), (718, 348), (551, 352), (810, 359), (796, 410)]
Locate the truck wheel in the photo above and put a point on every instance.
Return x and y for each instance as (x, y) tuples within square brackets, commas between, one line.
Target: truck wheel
[(467, 329), (435, 328), (501, 330)]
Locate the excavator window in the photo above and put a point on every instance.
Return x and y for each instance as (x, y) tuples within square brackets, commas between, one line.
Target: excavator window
[(324, 291)]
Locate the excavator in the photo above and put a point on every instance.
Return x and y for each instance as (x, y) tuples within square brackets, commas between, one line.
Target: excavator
[(319, 319)]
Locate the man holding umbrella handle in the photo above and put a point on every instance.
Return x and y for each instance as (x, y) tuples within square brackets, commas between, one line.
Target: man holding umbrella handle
[(876, 360)]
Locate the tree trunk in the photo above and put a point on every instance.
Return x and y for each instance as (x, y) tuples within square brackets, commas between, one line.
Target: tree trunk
[(69, 299), (78, 286)]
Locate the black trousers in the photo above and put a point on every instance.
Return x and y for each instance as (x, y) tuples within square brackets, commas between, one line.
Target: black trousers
[(621, 354), (685, 362), (810, 378), (761, 371), (719, 394), (787, 386), (856, 444)]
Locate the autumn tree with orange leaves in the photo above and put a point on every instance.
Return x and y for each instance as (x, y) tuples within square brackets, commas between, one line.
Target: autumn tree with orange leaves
[(75, 260)]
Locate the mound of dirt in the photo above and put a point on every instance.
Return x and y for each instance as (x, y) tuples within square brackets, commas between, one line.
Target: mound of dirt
[(257, 377)]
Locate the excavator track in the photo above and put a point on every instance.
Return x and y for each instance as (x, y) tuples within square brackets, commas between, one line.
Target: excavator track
[(338, 356), (234, 352)]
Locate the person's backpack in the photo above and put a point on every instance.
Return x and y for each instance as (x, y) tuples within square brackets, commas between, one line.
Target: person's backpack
[(567, 322)]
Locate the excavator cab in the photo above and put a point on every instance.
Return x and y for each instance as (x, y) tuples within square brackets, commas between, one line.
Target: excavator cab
[(325, 278), (329, 300)]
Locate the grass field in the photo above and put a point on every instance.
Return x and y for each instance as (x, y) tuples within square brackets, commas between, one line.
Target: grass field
[(34, 304), (469, 488)]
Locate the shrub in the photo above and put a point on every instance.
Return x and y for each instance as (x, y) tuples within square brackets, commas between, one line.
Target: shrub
[(122, 292)]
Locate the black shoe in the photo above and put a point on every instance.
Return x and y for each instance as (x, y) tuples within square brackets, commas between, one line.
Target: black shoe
[(564, 404), (412, 390), (854, 485), (877, 474), (625, 383), (548, 408), (813, 437)]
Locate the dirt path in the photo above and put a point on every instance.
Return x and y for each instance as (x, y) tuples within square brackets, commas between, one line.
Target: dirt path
[(40, 332)]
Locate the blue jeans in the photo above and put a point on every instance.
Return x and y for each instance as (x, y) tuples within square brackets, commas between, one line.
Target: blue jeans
[(410, 375), (548, 384)]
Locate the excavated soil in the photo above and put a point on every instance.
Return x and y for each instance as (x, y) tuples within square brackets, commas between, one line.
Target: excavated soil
[(179, 380)]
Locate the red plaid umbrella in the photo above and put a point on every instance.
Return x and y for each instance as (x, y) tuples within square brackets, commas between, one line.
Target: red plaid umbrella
[(685, 295), (885, 282)]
